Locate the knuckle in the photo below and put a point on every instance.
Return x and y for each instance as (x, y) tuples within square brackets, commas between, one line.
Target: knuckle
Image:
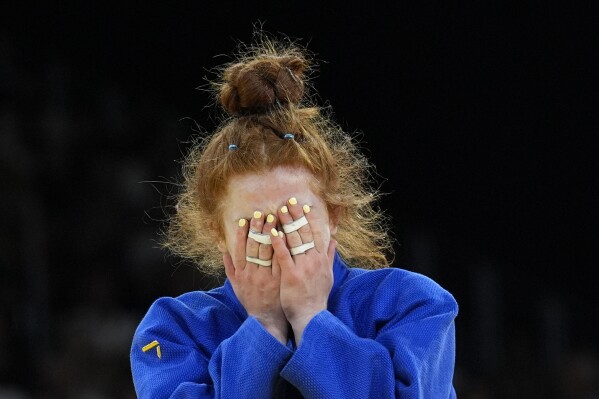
[(305, 229)]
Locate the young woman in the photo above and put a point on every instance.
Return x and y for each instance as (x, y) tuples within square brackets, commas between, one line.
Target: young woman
[(278, 196)]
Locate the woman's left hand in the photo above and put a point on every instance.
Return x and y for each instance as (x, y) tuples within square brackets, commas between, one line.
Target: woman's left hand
[(306, 278)]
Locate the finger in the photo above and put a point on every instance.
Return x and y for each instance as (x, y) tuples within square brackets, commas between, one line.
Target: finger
[(293, 239), (229, 268), (305, 232), (265, 250), (240, 244), (271, 221), (297, 212), (281, 253), (252, 247), (331, 251), (276, 267), (316, 231)]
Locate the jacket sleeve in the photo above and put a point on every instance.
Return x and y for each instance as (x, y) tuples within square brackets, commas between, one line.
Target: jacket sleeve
[(410, 355), (203, 352)]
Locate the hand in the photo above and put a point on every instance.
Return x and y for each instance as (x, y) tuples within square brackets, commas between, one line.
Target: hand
[(257, 287), (306, 279)]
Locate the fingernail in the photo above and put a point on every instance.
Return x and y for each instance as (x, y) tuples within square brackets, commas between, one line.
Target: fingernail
[(281, 234), (257, 214), (284, 209), (274, 232), (270, 218), (241, 222), (292, 201), (306, 208)]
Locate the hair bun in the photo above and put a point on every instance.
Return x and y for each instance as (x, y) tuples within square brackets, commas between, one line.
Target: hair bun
[(258, 84)]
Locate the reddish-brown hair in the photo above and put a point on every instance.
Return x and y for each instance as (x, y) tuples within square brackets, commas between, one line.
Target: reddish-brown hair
[(264, 95)]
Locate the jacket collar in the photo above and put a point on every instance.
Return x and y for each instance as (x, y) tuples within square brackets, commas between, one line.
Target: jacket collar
[(340, 272)]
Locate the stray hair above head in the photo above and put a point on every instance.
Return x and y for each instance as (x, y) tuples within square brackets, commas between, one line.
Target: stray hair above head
[(264, 93)]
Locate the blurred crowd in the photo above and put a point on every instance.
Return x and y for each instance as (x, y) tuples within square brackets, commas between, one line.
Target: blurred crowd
[(86, 167)]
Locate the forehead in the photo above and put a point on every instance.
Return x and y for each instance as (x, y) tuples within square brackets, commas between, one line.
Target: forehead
[(267, 191)]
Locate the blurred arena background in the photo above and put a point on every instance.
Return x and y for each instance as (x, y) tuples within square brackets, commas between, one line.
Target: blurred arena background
[(480, 117)]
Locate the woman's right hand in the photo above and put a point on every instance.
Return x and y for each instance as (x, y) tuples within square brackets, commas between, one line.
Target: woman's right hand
[(257, 287)]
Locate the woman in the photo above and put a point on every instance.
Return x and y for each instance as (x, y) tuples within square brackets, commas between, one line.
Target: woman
[(279, 195)]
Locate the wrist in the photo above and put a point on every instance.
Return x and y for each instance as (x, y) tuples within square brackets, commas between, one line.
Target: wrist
[(277, 328), (303, 317), (299, 324)]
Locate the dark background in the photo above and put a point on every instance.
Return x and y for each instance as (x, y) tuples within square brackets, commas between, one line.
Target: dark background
[(480, 117)]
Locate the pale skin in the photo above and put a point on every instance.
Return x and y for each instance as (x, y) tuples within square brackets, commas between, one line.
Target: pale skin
[(295, 288)]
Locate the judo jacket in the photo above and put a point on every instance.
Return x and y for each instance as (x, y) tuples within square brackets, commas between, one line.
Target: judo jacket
[(386, 333)]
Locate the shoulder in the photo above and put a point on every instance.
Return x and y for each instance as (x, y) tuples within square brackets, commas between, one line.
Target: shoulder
[(395, 291), (185, 319), (195, 304)]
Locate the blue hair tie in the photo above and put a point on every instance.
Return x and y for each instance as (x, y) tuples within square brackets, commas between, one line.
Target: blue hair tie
[(233, 147), (288, 136)]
